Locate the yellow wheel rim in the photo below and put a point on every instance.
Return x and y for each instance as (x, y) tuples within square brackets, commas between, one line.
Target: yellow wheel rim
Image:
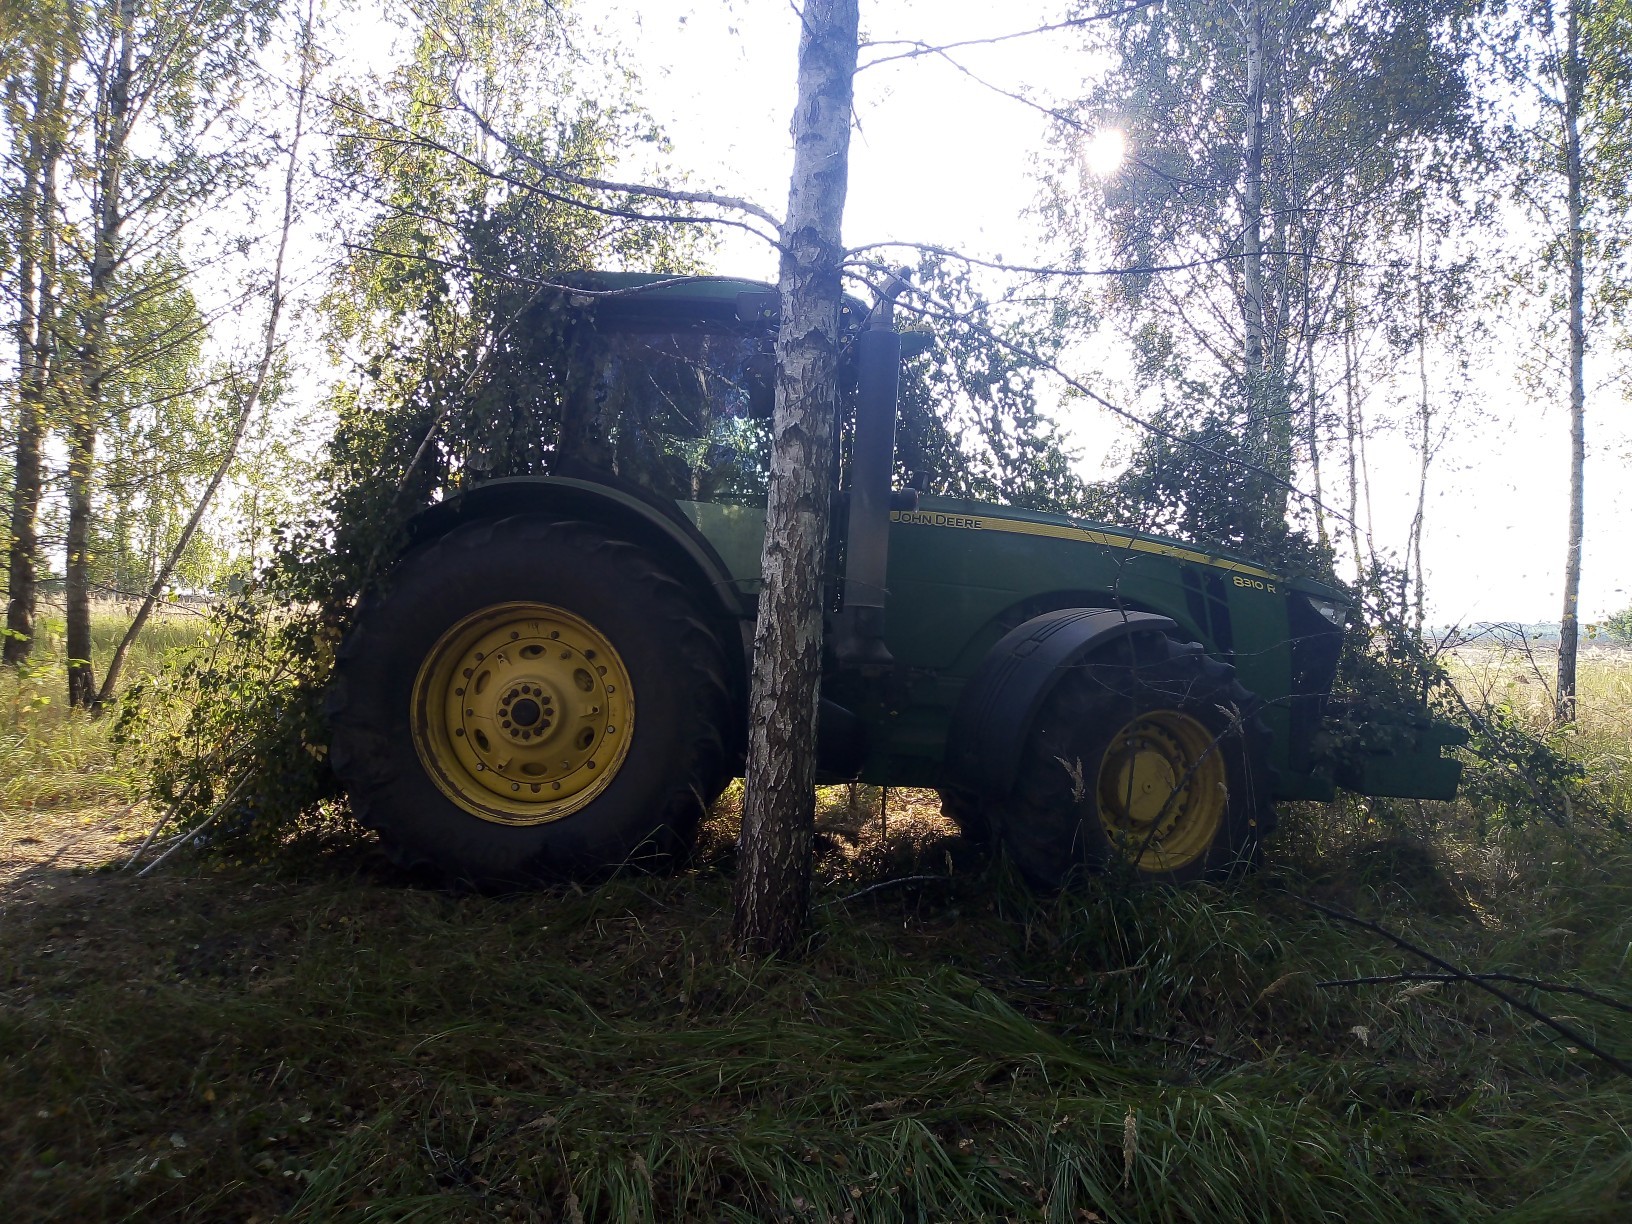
[(522, 713), (1162, 791)]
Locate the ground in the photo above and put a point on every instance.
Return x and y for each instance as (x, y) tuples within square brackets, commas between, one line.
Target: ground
[(319, 1039), (316, 1038)]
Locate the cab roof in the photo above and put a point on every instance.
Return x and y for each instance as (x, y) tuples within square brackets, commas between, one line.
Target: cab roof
[(644, 297)]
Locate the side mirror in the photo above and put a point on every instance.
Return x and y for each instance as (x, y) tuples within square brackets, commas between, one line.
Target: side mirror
[(759, 379), (915, 342)]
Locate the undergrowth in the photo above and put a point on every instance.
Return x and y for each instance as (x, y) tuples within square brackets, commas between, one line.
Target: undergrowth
[(315, 1038), (318, 1040), (50, 754)]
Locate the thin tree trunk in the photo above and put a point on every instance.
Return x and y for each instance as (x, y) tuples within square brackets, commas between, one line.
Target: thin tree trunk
[(1569, 628), (1365, 479), (1312, 412), (773, 880), (111, 146), (1252, 240), (269, 347), (23, 544), (1351, 412), (77, 584), (37, 326), (1424, 443)]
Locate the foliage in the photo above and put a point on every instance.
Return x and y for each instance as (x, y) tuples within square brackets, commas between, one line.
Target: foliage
[(1515, 770), (51, 756), (1619, 626), (1367, 125), (447, 299), (163, 432), (1206, 488), (970, 424)]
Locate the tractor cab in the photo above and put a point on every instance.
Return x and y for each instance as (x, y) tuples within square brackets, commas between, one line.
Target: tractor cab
[(554, 680)]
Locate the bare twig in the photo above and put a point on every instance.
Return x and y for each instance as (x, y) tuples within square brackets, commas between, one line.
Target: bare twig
[(1045, 270), (872, 888), (671, 194), (916, 47), (182, 839), (1385, 979)]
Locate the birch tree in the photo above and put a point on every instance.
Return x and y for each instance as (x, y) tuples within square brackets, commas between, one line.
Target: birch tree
[(773, 881), (1268, 143), (162, 80), (1569, 69), (36, 95)]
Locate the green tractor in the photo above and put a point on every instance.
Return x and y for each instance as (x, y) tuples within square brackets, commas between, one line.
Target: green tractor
[(552, 680)]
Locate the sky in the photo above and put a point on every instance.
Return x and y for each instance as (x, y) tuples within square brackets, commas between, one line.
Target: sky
[(938, 157)]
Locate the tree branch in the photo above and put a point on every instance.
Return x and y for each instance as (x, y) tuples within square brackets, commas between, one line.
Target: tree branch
[(1454, 973), (1043, 363), (673, 195), (1386, 979), (917, 48)]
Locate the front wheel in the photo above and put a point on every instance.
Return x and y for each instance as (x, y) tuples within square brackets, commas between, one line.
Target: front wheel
[(1148, 755), (529, 700)]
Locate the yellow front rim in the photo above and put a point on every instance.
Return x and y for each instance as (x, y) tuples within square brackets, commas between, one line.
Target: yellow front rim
[(1162, 791), (522, 713)]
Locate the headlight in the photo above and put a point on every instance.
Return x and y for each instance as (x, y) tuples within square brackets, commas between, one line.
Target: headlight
[(1329, 608)]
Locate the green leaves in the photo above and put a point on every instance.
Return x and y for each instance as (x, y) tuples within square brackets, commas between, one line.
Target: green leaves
[(440, 314)]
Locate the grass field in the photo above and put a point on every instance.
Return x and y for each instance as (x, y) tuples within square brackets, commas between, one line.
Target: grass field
[(319, 1040)]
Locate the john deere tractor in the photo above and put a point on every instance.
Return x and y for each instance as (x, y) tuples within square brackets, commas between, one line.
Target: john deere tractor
[(552, 680)]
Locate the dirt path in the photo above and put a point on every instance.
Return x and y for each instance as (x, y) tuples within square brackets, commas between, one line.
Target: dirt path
[(44, 850)]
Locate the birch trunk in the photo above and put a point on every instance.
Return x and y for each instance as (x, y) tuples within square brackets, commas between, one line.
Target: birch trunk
[(23, 545), (773, 880), (269, 348), (1425, 444), (36, 333), (112, 139), (1569, 630), (1252, 236)]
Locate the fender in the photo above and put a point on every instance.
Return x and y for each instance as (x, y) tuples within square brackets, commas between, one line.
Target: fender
[(996, 710), (642, 520)]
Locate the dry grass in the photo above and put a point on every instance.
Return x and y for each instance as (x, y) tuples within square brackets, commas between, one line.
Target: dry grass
[(52, 756)]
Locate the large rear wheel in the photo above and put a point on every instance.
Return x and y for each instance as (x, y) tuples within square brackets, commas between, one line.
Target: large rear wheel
[(530, 700), (1148, 755)]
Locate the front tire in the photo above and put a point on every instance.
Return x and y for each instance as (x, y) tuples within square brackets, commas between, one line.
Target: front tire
[(1148, 755), (530, 700)]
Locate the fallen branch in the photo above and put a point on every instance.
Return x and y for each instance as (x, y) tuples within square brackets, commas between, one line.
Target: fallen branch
[(159, 824), (1461, 975), (1385, 979), (872, 888), (193, 832)]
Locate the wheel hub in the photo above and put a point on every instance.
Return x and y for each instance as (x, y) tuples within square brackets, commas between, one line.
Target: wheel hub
[(1162, 790), (522, 713)]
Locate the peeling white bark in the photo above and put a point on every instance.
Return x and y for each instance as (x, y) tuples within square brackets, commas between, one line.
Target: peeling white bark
[(773, 880)]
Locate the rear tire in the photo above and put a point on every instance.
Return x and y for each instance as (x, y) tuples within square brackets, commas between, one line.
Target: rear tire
[(530, 700), (1148, 755), (966, 809)]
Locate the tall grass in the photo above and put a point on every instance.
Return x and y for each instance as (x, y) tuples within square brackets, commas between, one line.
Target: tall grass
[(313, 1043), (51, 755), (314, 1039), (1521, 679)]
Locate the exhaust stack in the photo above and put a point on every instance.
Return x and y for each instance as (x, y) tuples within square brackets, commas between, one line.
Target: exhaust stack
[(859, 636)]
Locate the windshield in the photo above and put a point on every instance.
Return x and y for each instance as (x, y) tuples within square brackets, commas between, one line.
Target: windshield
[(673, 411)]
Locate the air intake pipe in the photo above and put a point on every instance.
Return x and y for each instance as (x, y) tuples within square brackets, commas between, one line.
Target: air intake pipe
[(859, 636)]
